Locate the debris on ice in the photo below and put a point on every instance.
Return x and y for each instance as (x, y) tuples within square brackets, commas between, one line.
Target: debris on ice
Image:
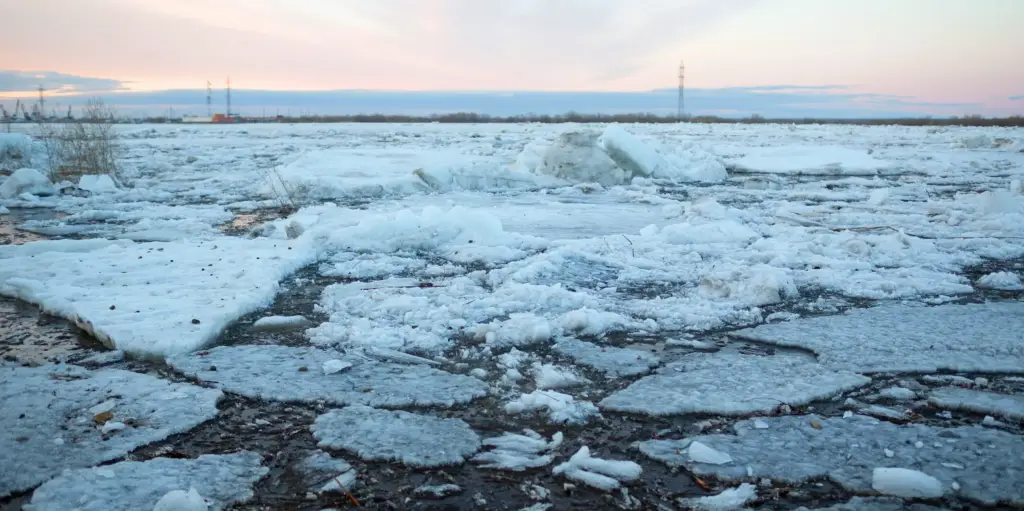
[(731, 384), (381, 435), (221, 480), (290, 374), (599, 473), (57, 401)]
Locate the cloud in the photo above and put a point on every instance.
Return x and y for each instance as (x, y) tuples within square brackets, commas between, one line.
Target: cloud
[(1017, 98), (783, 101), (23, 81)]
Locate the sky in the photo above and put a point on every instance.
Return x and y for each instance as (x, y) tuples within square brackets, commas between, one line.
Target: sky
[(772, 57)]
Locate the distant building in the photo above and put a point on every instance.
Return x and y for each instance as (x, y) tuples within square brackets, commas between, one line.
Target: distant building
[(197, 118)]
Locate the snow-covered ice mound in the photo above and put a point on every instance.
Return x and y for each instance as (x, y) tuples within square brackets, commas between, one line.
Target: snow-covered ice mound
[(984, 464), (613, 362), (381, 435), (991, 403), (596, 472), (1003, 281), (93, 183), (731, 384), (152, 299), (58, 417), (817, 160), (221, 479), (516, 452), (29, 181), (907, 338), (295, 374)]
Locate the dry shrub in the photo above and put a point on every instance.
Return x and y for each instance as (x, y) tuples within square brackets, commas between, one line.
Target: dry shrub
[(87, 145)]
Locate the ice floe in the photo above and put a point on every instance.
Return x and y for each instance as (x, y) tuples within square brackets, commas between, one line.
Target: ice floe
[(295, 374), (54, 417), (612, 361), (222, 480), (1003, 405), (381, 435)]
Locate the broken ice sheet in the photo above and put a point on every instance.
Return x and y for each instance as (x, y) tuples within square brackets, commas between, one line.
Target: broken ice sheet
[(600, 473), (53, 414), (731, 384), (983, 462), (614, 362), (320, 469), (295, 374), (874, 504), (381, 435), (222, 480), (955, 398), (516, 452), (908, 338)]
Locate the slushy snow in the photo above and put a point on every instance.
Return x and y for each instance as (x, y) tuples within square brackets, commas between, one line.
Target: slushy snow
[(396, 436), (50, 418)]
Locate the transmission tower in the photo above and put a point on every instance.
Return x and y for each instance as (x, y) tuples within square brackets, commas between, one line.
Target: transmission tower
[(209, 99), (42, 103), (229, 97), (681, 107)]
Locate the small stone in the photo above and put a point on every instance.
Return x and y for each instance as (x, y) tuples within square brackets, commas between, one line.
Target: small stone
[(102, 418), (195, 321), (303, 369), (112, 307)]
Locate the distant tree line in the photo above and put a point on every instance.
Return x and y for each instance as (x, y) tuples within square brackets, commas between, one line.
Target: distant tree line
[(575, 117)]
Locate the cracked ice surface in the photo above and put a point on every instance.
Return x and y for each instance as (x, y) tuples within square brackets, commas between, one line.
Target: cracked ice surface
[(614, 362), (874, 504), (275, 373), (984, 463), (1004, 405), (731, 384), (382, 435), (904, 338), (47, 423), (222, 480)]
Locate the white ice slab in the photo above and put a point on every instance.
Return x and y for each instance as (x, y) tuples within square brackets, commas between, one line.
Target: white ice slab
[(152, 299), (23, 181), (731, 384), (48, 423), (794, 449), (221, 479), (991, 403), (600, 473), (900, 338), (295, 374), (381, 435), (797, 159)]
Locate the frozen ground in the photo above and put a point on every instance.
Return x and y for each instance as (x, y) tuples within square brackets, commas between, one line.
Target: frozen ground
[(521, 296)]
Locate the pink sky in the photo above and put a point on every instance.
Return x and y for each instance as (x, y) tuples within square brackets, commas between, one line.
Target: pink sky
[(933, 50)]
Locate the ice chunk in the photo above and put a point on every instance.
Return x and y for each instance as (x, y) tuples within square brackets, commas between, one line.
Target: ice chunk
[(335, 366), (439, 491), (97, 183), (733, 498), (634, 156), (561, 408), (152, 299), (898, 393), (700, 453), (758, 285), (47, 402), (289, 374), (794, 159), (221, 479), (906, 483), (319, 471), (614, 362), (731, 384), (907, 338), (549, 376), (600, 473), (1003, 281), (26, 181), (4, 210), (875, 504), (382, 435), (576, 158), (272, 323), (1004, 405), (516, 452), (181, 500), (796, 449)]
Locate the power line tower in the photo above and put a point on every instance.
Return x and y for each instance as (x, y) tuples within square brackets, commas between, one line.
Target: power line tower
[(42, 103), (228, 113), (681, 107), (209, 99)]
